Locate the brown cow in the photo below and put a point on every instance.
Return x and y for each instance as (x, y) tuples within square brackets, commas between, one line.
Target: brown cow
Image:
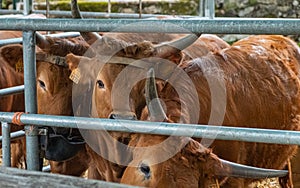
[(53, 88), (10, 77), (104, 85), (106, 170), (260, 77), (187, 164), (112, 66)]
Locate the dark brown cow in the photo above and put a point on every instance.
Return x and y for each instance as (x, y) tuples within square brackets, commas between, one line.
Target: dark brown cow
[(260, 77)]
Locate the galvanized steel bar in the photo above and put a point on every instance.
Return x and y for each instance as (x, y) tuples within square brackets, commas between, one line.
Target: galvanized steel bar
[(6, 161), (140, 8), (12, 90), (4, 42), (213, 26), (14, 136), (32, 145), (109, 7), (210, 10), (6, 11), (27, 7), (201, 8), (161, 128), (19, 40), (47, 8)]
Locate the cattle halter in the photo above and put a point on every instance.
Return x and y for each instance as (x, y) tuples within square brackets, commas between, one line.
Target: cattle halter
[(56, 60)]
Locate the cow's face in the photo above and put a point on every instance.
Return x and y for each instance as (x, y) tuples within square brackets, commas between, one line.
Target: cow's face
[(54, 89), (192, 166)]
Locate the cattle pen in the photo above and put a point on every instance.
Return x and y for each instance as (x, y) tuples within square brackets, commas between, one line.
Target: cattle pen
[(194, 24)]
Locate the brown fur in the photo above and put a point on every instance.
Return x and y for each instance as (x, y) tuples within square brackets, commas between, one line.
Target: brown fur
[(192, 166), (262, 91), (109, 72), (52, 99)]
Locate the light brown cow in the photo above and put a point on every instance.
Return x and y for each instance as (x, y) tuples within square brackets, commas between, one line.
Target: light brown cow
[(104, 85), (260, 77)]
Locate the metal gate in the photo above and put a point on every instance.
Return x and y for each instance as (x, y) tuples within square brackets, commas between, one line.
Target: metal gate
[(207, 24)]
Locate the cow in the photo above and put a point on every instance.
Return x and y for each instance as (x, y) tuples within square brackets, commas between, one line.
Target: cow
[(260, 75), (10, 77), (109, 72), (53, 88)]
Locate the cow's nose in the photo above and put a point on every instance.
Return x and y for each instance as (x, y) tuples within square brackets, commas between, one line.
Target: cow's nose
[(127, 116)]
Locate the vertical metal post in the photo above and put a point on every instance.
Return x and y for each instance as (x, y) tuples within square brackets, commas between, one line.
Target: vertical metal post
[(32, 145), (109, 7), (6, 144), (27, 7), (140, 8), (201, 8), (14, 2), (47, 8), (210, 9)]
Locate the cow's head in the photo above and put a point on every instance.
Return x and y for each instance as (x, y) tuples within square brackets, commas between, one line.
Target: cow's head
[(54, 93), (193, 166), (118, 72), (116, 65)]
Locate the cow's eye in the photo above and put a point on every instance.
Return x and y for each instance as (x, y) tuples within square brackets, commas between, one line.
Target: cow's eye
[(145, 169), (42, 84), (100, 84)]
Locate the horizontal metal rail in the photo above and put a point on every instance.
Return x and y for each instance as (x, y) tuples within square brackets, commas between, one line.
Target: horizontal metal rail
[(91, 14), (161, 128), (213, 26), (20, 40), (15, 136), (12, 90)]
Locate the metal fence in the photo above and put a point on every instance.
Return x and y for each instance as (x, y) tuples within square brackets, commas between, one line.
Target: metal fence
[(191, 24)]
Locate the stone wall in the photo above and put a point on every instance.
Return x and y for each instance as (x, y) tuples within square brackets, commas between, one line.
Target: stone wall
[(223, 8), (258, 8)]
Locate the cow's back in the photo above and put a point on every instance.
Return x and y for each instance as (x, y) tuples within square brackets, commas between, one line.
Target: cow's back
[(258, 77)]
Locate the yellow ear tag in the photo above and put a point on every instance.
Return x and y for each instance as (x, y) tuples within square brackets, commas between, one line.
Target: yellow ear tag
[(75, 75), (19, 66)]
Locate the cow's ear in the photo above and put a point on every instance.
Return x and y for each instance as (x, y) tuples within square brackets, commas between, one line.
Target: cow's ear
[(198, 154), (12, 54), (74, 60)]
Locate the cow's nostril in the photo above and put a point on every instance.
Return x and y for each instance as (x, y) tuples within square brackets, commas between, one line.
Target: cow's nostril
[(145, 169)]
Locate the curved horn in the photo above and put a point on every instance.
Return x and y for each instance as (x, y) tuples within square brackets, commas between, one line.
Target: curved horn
[(243, 171), (176, 46), (41, 41), (154, 106), (89, 37), (58, 46)]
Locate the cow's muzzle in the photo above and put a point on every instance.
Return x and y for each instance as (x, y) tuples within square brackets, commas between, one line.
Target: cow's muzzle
[(123, 115)]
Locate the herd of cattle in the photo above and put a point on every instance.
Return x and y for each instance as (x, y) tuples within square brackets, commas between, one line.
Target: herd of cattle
[(259, 75)]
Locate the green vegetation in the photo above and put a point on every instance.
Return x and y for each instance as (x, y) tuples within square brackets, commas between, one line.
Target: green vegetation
[(178, 8), (252, 2)]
